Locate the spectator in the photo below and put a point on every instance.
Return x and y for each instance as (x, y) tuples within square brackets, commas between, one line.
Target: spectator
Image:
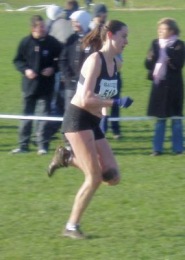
[(37, 60), (164, 62), (73, 55), (60, 27), (59, 24), (88, 3), (71, 7), (53, 12), (99, 16)]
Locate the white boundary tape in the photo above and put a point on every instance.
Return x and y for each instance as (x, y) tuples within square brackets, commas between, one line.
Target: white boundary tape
[(49, 118), (8, 8)]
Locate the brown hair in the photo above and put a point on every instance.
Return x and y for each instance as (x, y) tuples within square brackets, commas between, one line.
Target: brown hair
[(93, 39), (171, 23), (72, 5), (35, 19), (111, 26), (97, 36)]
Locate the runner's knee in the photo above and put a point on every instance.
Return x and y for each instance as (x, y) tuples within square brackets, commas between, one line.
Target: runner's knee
[(111, 176)]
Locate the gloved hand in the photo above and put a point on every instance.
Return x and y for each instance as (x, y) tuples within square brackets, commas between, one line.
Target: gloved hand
[(123, 101)]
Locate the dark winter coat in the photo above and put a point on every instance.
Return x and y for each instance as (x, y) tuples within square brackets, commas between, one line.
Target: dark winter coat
[(166, 98), (37, 54), (71, 60)]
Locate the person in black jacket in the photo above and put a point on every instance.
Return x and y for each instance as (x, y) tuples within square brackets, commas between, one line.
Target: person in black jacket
[(73, 54), (37, 60), (164, 62)]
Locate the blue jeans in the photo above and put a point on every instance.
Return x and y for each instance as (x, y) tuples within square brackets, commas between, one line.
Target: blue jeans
[(25, 130), (177, 135)]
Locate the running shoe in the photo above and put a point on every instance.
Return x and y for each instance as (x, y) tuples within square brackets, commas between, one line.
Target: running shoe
[(75, 234), (60, 159)]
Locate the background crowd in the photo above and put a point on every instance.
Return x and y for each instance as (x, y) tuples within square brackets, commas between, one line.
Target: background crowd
[(56, 49)]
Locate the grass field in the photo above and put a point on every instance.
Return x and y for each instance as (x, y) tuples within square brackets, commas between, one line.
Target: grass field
[(141, 219)]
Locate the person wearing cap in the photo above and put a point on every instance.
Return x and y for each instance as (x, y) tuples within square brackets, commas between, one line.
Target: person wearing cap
[(60, 27), (53, 12), (99, 16), (57, 24), (73, 55)]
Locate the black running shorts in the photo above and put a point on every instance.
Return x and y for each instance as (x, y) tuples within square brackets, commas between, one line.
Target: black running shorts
[(77, 119)]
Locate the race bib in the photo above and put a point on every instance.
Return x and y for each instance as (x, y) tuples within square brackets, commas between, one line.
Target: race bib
[(108, 88)]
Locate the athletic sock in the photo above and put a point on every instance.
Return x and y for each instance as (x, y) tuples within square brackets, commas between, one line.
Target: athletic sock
[(72, 227)]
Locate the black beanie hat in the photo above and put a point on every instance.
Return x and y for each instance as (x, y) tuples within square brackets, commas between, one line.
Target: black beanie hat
[(99, 8)]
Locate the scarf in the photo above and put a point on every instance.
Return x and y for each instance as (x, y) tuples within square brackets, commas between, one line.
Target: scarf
[(161, 65)]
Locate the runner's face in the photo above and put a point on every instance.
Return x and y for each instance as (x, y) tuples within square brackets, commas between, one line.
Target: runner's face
[(120, 40)]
